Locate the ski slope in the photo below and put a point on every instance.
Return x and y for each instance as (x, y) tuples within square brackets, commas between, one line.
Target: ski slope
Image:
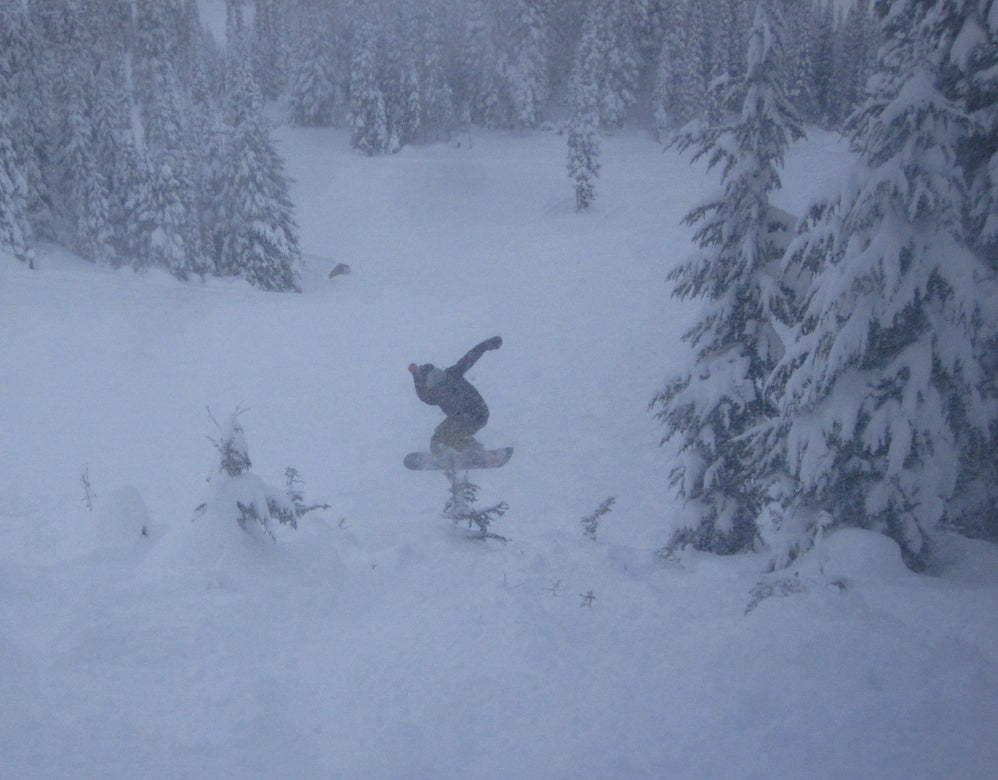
[(378, 641)]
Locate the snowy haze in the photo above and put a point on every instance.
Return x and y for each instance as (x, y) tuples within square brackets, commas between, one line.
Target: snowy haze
[(141, 640)]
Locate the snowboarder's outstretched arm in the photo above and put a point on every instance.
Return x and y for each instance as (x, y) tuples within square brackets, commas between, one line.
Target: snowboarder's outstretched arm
[(474, 353)]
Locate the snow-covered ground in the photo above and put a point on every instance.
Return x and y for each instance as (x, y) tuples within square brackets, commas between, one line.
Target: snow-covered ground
[(378, 641)]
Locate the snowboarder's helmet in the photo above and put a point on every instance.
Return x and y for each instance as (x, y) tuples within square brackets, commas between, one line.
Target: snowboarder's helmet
[(432, 375)]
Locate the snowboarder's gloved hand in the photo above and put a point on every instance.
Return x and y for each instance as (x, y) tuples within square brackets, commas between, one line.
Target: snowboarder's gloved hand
[(493, 343)]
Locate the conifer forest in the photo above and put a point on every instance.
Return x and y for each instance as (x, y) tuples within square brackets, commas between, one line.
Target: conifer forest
[(732, 271), (133, 135)]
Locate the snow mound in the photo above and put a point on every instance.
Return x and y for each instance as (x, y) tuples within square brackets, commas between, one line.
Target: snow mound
[(858, 554), (125, 519)]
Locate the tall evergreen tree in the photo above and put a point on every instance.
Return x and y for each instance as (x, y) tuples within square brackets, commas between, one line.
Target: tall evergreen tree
[(973, 69), (166, 202), (583, 154), (160, 34), (565, 26), (24, 88), (884, 407), (13, 196), (368, 113), (401, 76), (174, 240), (524, 64), (668, 86), (801, 40), (205, 146), (852, 59), (258, 235), (130, 203), (608, 56), (730, 24), (439, 112), (736, 342), (166, 228), (480, 89), (312, 90), (969, 31), (694, 62), (80, 185), (822, 32), (270, 57)]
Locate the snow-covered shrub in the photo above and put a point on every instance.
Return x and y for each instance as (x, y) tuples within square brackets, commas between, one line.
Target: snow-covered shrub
[(89, 496), (591, 521), (461, 508), (238, 494)]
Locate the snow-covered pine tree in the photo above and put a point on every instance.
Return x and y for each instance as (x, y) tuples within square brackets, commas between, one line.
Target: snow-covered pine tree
[(170, 227), (479, 68), (111, 112), (312, 90), (822, 33), (258, 237), (437, 104), (608, 57), (524, 62), (166, 226), (162, 180), (692, 63), (583, 132), (801, 40), (131, 198), (668, 85), (883, 394), (852, 59), (583, 154), (590, 523), (460, 507), (729, 26), (22, 86), (14, 229), (83, 196), (564, 25), (239, 494), (368, 111), (205, 145), (158, 32), (269, 36), (973, 68), (402, 78), (742, 237), (971, 74)]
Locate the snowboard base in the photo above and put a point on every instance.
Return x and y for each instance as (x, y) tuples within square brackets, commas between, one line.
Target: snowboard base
[(451, 460)]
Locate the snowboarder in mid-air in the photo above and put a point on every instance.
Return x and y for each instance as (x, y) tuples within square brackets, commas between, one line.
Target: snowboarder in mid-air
[(457, 398), (453, 448)]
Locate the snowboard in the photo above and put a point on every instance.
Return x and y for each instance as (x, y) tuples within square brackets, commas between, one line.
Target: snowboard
[(451, 460)]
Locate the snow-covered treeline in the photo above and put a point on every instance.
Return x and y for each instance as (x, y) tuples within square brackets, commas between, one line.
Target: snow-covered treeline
[(844, 357), (846, 375), (400, 71), (128, 137)]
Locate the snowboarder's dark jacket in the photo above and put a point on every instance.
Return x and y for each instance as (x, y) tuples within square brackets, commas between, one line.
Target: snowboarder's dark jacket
[(449, 390)]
